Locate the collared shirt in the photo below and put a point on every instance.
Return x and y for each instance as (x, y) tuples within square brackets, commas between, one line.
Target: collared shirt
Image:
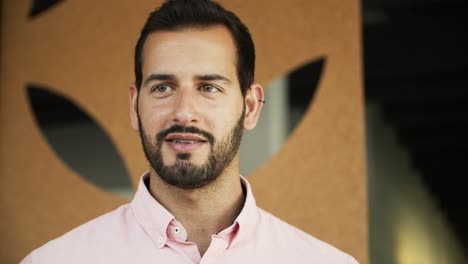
[(144, 232)]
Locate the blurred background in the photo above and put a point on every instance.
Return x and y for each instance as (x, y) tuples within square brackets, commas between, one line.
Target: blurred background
[(416, 125), (416, 89)]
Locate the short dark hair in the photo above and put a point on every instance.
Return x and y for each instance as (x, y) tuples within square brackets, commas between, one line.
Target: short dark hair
[(179, 14)]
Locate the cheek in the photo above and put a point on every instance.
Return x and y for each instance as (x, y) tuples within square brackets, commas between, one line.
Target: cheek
[(154, 117), (221, 120)]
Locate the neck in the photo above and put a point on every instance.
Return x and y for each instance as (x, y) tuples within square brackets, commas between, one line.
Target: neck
[(204, 211)]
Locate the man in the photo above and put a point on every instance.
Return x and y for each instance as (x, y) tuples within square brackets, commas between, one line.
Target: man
[(193, 96)]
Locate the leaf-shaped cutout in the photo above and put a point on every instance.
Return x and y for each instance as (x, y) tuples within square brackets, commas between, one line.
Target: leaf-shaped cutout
[(79, 141), (302, 84), (287, 99), (40, 6)]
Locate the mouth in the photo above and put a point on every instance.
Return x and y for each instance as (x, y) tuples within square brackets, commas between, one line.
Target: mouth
[(184, 141), (183, 138), (181, 142)]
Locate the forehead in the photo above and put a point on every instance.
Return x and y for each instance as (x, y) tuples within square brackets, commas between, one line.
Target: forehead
[(190, 51)]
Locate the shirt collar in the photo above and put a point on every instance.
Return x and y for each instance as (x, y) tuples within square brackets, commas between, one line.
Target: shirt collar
[(155, 219), (151, 215), (248, 217)]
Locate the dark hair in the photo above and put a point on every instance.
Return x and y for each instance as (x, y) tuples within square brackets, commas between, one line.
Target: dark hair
[(179, 14)]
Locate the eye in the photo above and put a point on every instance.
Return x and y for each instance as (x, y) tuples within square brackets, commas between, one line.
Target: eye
[(208, 88), (162, 88)]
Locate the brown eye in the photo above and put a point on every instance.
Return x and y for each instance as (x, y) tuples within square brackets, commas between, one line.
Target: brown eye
[(208, 88), (162, 88)]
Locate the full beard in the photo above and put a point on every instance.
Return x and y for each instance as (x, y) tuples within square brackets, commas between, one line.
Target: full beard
[(183, 174)]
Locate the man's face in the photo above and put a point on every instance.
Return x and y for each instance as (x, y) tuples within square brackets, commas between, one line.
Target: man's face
[(190, 106)]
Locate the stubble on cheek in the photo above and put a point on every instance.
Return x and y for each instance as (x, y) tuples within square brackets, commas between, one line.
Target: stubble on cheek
[(168, 156), (200, 155)]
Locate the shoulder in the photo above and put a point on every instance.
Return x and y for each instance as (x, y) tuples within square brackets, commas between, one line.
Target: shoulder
[(308, 246), (98, 228), (99, 234)]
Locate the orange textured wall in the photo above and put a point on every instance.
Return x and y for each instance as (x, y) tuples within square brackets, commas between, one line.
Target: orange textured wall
[(83, 49)]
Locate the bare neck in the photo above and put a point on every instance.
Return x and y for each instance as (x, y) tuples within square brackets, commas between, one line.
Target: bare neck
[(204, 211)]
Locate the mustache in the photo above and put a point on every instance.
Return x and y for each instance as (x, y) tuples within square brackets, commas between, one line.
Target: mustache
[(183, 129)]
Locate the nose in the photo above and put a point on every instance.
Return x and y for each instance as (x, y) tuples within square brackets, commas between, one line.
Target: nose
[(185, 108)]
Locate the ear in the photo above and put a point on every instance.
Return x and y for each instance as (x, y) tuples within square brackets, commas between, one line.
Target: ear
[(134, 107), (254, 100)]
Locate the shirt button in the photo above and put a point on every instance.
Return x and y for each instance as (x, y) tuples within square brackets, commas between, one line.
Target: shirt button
[(160, 239)]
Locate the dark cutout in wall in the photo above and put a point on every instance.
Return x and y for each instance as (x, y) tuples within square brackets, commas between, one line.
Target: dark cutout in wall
[(303, 83), (40, 6), (78, 140)]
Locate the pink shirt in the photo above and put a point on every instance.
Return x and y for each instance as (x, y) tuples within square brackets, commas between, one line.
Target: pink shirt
[(143, 231)]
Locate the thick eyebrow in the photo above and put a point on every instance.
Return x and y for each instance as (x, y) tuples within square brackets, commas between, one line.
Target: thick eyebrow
[(159, 77), (212, 77)]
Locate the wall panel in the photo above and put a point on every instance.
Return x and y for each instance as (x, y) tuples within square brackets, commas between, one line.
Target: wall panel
[(83, 50)]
